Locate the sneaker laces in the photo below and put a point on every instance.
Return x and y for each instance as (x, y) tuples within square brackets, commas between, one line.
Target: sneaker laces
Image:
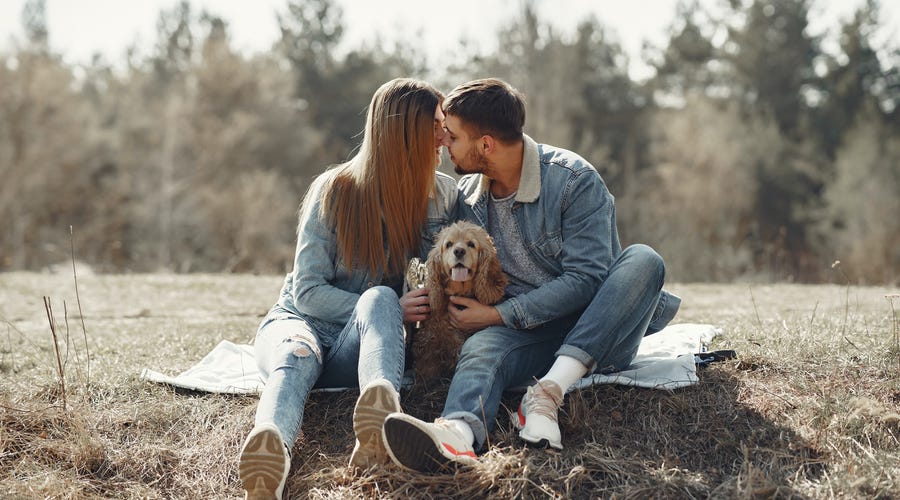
[(542, 400), (446, 425)]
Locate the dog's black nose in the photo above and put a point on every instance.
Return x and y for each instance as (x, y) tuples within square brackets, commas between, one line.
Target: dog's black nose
[(459, 252)]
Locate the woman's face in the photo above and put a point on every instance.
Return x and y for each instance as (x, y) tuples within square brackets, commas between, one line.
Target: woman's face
[(438, 133)]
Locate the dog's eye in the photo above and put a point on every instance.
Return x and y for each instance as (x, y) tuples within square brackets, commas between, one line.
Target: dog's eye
[(471, 244), (449, 244)]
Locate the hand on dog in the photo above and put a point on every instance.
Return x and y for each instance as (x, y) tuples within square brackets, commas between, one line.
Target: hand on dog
[(414, 305), (469, 315)]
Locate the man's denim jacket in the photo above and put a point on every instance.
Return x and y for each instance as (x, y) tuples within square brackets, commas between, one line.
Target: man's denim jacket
[(567, 219), (321, 289)]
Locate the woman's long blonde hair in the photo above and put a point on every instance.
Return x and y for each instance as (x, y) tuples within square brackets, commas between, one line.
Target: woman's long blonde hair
[(383, 191)]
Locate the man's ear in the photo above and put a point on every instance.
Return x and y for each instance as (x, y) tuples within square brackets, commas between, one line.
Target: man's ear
[(488, 144)]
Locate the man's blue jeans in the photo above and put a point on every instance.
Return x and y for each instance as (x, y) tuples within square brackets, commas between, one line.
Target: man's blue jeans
[(605, 337), (294, 358)]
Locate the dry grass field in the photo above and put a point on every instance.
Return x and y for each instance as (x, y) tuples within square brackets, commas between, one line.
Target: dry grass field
[(811, 409)]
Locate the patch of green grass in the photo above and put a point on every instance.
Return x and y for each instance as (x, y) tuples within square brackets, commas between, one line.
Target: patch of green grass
[(810, 409)]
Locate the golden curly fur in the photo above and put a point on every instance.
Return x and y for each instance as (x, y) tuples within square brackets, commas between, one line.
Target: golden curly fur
[(463, 263)]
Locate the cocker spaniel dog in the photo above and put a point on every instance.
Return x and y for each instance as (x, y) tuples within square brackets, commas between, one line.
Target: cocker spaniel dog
[(464, 263)]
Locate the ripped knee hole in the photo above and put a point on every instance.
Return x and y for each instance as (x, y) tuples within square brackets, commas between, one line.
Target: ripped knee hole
[(305, 347)]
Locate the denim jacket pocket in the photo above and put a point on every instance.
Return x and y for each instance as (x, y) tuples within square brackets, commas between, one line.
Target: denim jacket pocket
[(549, 245)]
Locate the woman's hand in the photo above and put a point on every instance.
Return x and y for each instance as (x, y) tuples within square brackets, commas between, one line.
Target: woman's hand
[(414, 305)]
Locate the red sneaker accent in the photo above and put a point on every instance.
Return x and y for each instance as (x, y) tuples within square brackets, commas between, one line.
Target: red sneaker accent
[(458, 453), (538, 414)]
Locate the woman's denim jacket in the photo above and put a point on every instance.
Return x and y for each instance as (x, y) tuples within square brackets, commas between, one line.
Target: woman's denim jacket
[(321, 289), (567, 219)]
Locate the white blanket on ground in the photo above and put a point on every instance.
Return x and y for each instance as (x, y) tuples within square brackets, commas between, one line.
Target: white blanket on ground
[(665, 360)]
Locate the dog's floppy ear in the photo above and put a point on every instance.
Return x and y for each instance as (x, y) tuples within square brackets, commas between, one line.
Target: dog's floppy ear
[(490, 280), (435, 277)]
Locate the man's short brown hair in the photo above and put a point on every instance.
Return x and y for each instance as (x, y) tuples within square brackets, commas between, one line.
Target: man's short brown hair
[(488, 106)]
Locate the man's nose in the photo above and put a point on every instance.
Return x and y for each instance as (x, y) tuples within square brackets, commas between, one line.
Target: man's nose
[(445, 139)]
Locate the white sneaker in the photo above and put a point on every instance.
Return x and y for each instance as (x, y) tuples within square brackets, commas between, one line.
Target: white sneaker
[(423, 447), (264, 463), (377, 400), (538, 416)]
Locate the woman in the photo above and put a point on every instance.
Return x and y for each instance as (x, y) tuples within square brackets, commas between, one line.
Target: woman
[(338, 321)]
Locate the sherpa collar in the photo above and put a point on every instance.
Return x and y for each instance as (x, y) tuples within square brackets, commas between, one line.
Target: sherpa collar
[(529, 182)]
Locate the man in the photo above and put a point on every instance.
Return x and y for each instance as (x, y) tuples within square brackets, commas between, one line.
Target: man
[(576, 303)]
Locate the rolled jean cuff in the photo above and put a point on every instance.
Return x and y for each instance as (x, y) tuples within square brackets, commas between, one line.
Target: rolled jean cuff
[(474, 422), (580, 354), (666, 307)]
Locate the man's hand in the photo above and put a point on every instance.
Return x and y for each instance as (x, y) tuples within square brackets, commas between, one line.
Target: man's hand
[(469, 315), (415, 306)]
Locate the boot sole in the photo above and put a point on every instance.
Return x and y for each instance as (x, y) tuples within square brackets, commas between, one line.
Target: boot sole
[(374, 405), (263, 466)]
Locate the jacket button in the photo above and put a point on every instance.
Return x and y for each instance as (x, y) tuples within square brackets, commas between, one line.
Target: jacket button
[(370, 284)]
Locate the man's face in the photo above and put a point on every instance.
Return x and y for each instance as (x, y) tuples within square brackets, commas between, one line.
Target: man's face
[(464, 153)]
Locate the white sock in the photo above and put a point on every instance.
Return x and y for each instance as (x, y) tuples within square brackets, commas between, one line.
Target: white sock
[(463, 428), (565, 371)]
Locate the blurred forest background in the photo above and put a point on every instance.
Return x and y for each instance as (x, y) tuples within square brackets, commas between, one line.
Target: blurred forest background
[(752, 154)]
